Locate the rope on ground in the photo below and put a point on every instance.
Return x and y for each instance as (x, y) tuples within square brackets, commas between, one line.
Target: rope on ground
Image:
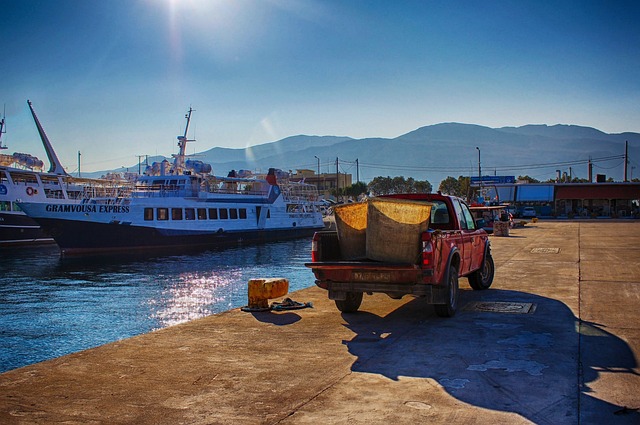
[(286, 304)]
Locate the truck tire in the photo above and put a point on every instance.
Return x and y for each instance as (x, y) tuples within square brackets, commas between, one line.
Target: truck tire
[(351, 304), (483, 277), (449, 309)]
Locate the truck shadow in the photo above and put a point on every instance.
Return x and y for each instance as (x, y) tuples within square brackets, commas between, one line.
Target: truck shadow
[(522, 363)]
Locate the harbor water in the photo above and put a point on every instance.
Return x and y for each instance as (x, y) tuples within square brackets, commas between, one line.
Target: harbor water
[(52, 306)]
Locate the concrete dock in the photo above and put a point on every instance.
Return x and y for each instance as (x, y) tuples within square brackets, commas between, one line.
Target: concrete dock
[(555, 340)]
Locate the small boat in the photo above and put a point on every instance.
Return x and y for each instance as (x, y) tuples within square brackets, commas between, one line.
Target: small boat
[(182, 205), (22, 179)]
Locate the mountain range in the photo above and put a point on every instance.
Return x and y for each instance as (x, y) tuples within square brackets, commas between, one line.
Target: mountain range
[(437, 151)]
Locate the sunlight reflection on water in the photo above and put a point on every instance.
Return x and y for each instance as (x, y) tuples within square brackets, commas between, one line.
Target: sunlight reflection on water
[(192, 296), (50, 307)]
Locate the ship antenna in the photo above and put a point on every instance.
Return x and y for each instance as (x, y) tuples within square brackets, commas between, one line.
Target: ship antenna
[(3, 128), (182, 143), (55, 165)]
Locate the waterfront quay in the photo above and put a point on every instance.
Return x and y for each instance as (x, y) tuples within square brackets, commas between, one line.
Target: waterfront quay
[(555, 340)]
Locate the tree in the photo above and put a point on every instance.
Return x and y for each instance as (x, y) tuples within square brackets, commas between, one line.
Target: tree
[(380, 186), (528, 179), (450, 186), (465, 187), (422, 186), (457, 187), (355, 189), (387, 185)]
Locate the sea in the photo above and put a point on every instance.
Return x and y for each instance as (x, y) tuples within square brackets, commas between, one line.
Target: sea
[(51, 306)]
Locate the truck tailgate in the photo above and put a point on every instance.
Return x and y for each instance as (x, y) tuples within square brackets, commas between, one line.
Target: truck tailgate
[(357, 271)]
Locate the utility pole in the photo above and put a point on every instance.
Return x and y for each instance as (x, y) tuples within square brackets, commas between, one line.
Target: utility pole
[(357, 171), (590, 171), (626, 159), (78, 164), (337, 178), (318, 176), (479, 173)]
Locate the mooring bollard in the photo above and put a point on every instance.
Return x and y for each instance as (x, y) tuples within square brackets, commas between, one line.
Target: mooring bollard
[(261, 290)]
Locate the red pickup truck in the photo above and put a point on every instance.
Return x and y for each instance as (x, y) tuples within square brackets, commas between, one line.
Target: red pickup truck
[(452, 246)]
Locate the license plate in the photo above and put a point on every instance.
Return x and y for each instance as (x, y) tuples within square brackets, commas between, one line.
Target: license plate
[(371, 276)]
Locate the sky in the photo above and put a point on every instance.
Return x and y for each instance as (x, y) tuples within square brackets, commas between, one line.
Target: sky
[(114, 79)]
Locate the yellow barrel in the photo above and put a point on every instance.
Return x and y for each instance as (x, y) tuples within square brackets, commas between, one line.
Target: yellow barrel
[(261, 290)]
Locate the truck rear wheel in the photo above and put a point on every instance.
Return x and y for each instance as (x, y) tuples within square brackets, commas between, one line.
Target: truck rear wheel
[(351, 304), (483, 277), (449, 309)]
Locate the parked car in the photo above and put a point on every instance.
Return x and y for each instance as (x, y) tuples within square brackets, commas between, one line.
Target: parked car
[(529, 212)]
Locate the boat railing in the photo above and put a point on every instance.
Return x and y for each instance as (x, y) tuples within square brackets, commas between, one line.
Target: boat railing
[(53, 193), (99, 190), (163, 191), (118, 200), (299, 192), (235, 186)]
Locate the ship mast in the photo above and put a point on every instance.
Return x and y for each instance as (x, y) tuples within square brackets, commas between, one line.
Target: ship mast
[(2, 129), (55, 165), (178, 163)]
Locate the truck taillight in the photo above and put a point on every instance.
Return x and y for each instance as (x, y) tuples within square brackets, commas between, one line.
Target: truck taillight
[(427, 250), (314, 248)]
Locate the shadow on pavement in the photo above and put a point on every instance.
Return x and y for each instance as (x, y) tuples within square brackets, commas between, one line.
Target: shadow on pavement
[(527, 364), (278, 319)]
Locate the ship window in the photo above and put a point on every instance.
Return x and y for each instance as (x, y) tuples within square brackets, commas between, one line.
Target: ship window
[(176, 213), (16, 207), (202, 214), (148, 214), (243, 213), (233, 213), (269, 213), (189, 214), (224, 214), (213, 214), (5, 206), (162, 214)]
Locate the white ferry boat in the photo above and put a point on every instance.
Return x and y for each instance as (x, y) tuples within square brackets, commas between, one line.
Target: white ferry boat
[(22, 180), (183, 206)]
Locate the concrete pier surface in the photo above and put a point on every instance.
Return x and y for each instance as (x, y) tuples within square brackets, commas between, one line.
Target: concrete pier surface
[(555, 340)]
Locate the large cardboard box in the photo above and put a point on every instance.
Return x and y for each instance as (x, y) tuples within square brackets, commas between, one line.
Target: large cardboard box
[(394, 229), (351, 223)]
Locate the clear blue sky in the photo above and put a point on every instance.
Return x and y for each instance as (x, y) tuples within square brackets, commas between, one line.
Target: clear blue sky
[(113, 79)]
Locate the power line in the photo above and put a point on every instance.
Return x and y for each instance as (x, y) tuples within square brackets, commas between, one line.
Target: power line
[(465, 169)]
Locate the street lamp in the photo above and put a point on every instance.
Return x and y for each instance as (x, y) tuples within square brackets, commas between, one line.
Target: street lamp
[(318, 177), (479, 175), (479, 172)]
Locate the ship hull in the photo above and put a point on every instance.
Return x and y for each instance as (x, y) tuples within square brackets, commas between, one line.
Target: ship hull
[(16, 229), (92, 238)]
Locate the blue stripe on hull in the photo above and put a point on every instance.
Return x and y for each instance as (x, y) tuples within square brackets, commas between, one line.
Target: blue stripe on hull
[(78, 238)]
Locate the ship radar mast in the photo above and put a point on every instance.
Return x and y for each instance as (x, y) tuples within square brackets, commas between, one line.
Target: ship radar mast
[(178, 163)]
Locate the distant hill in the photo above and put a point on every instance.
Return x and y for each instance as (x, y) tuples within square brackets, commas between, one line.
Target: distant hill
[(437, 151)]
